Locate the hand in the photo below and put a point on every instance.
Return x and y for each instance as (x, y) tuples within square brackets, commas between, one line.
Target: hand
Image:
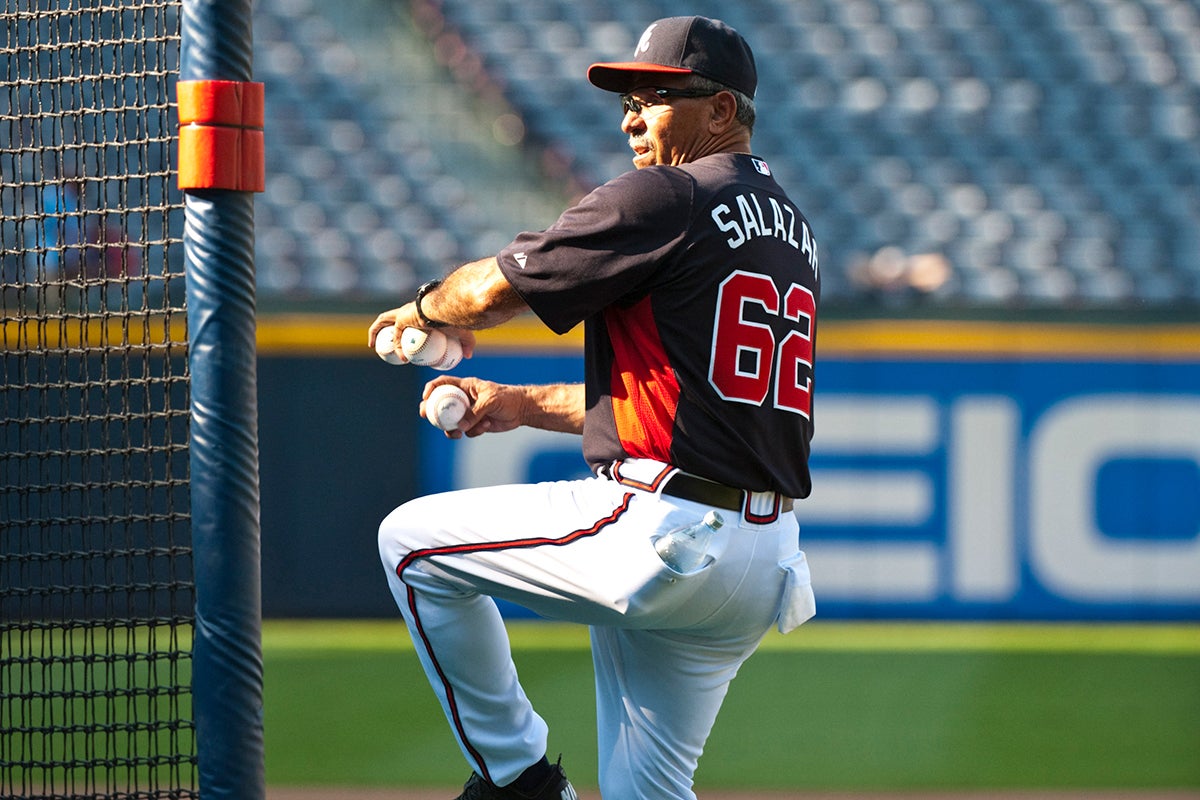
[(495, 407), (386, 319), (406, 317)]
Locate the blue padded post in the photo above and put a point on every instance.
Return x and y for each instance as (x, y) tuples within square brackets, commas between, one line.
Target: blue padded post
[(227, 676)]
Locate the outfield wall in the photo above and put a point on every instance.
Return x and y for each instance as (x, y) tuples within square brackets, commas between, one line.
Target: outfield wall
[(961, 470)]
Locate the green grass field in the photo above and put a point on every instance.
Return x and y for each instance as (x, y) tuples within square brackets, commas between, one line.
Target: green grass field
[(831, 706)]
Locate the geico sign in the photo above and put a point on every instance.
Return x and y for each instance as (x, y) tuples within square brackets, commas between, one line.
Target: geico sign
[(969, 494)]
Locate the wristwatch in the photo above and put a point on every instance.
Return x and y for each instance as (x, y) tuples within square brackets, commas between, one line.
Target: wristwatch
[(422, 290)]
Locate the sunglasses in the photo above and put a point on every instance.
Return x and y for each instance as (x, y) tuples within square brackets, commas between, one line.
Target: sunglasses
[(631, 103)]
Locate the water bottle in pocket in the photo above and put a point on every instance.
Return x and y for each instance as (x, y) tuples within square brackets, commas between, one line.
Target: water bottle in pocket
[(684, 549)]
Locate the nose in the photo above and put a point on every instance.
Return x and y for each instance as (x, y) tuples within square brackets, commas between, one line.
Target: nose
[(632, 122)]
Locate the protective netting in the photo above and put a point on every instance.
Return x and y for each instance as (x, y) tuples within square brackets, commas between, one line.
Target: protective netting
[(96, 594)]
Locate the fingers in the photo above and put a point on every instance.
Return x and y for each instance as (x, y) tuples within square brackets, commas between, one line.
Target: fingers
[(382, 321), (477, 429), (467, 339), (463, 383)]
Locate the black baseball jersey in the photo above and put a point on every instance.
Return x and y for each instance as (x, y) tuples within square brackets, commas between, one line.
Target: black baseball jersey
[(698, 287)]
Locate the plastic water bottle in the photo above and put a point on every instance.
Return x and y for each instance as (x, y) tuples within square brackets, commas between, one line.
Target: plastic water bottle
[(683, 549)]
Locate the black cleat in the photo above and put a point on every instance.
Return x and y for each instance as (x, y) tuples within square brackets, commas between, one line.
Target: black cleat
[(556, 787)]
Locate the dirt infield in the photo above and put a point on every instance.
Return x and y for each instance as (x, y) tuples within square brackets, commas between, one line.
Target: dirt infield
[(281, 793)]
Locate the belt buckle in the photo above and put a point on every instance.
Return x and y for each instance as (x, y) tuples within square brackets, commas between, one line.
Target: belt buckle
[(762, 508)]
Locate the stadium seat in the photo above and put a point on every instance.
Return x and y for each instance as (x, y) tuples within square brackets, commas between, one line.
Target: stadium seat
[(1045, 151)]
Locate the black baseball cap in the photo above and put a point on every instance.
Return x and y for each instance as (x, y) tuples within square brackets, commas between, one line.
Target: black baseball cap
[(684, 46)]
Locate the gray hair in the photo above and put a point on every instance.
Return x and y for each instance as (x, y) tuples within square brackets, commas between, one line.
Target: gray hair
[(745, 105)]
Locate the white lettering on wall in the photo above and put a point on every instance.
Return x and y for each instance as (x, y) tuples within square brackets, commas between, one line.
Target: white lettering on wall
[(1067, 447)]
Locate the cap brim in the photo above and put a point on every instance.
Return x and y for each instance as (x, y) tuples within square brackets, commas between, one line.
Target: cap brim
[(622, 76)]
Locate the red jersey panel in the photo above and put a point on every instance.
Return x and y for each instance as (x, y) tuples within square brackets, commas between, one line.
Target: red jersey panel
[(645, 393)]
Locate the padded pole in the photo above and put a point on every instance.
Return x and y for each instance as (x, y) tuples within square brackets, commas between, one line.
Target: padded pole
[(227, 679)]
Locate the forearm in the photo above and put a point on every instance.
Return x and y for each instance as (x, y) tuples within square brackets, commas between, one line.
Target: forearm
[(555, 407), (475, 296)]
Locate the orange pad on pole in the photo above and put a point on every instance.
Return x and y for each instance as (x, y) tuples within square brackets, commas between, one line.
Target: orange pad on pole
[(220, 135)]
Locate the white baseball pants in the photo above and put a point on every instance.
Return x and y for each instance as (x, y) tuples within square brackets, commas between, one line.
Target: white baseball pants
[(664, 645)]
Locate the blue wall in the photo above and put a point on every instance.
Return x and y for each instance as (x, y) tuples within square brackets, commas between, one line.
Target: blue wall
[(337, 441), (990, 486)]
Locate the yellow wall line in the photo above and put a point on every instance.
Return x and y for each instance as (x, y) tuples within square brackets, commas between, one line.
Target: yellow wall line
[(346, 335), (840, 338)]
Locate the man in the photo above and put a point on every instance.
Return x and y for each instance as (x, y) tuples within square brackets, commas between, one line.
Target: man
[(696, 280)]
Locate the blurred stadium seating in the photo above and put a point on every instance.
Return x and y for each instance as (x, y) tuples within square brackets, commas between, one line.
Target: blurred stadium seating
[(957, 154)]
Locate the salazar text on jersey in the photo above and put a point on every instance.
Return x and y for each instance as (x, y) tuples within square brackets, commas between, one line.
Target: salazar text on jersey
[(750, 221)]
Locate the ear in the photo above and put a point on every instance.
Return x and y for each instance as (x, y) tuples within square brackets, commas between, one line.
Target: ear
[(723, 114)]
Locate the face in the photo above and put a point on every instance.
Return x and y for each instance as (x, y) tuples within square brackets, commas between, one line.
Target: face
[(666, 130)]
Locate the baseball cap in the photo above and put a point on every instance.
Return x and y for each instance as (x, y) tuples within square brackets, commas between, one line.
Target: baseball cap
[(683, 46)]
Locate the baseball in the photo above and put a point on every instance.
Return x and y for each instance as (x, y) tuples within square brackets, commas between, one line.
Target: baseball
[(430, 348), (385, 346), (445, 406)]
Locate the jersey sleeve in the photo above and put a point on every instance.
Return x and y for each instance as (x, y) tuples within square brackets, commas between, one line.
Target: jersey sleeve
[(606, 249)]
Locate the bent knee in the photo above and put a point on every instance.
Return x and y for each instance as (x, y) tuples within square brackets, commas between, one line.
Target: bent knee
[(397, 536)]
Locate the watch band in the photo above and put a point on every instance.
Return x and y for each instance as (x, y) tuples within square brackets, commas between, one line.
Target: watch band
[(424, 289)]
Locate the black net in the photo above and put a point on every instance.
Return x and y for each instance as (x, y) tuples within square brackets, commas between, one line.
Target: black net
[(96, 594)]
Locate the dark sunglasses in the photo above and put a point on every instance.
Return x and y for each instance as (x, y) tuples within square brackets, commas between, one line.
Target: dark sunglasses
[(631, 103)]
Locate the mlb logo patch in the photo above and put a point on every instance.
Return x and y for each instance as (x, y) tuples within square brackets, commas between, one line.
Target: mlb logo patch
[(761, 166)]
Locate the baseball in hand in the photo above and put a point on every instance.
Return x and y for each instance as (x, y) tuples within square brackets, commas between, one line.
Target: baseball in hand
[(431, 348), (385, 346), (445, 406)]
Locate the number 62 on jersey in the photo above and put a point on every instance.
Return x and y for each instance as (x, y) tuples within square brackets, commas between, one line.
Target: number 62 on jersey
[(748, 364)]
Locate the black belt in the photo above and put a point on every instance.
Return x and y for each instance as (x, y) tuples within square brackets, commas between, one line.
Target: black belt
[(710, 493)]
